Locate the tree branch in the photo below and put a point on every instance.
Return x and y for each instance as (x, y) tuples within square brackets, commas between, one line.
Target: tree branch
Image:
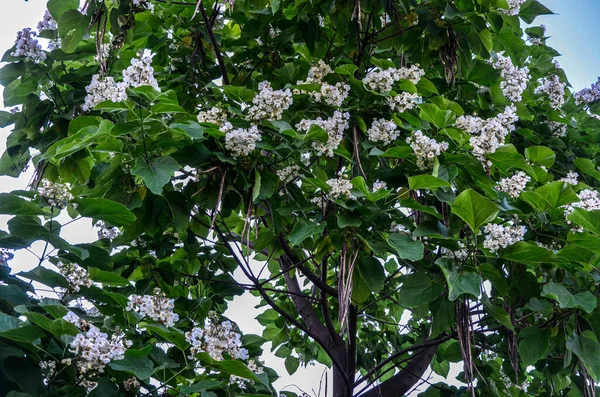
[(214, 42)]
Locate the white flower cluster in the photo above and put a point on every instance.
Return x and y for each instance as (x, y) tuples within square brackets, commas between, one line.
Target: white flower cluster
[(384, 131), (216, 339), (157, 307), (49, 367), (498, 236), (514, 185), (383, 80), (333, 95), (403, 101), (213, 115), (589, 200), (554, 89), (588, 94), (426, 149), (571, 178), (240, 141), (243, 383), (56, 194), (140, 73), (47, 22), (5, 256), (28, 47), (131, 384), (378, 185), (460, 254), (95, 350), (514, 79), (491, 132), (334, 126), (107, 232), (317, 73), (74, 319), (340, 187), (144, 4), (75, 275), (103, 89), (399, 228), (288, 173), (269, 104), (514, 6), (559, 130)]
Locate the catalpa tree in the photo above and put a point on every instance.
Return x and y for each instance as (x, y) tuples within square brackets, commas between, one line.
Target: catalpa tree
[(405, 184)]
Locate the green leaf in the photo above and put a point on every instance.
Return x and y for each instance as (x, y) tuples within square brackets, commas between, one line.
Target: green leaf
[(372, 273), (346, 70), (418, 289), (507, 157), (497, 312), (72, 25), (474, 209), (157, 174), (541, 155), (426, 182), (587, 351), (533, 345), (26, 334), (291, 364), (238, 94), (191, 128), (528, 254), (105, 210), (589, 220), (584, 300), (136, 362), (8, 322), (236, 368), (172, 335), (107, 278), (398, 152), (438, 117), (532, 9), (550, 195), (46, 276), (459, 283), (14, 205), (588, 167), (406, 247), (58, 7), (304, 229)]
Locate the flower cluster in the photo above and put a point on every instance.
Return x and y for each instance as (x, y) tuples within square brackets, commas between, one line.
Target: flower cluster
[(75, 275), (243, 383), (216, 339), (333, 95), (588, 94), (74, 319), (514, 185), (340, 187), (378, 185), (383, 80), (240, 141), (28, 47), (103, 89), (403, 102), (317, 73), (49, 367), (384, 131), (554, 89), (269, 104), (514, 6), (559, 130), (140, 73), (334, 126), (460, 254), (399, 228), (107, 232), (157, 307), (144, 4), (426, 149), (47, 22), (213, 115), (514, 79), (131, 384), (498, 236), (95, 350), (288, 173), (56, 194), (589, 200), (571, 178), (5, 256)]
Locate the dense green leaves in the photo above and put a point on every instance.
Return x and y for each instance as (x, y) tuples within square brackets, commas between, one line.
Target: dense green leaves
[(474, 209), (155, 174), (584, 300), (105, 210)]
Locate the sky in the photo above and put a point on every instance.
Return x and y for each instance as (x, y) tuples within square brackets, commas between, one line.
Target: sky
[(573, 32)]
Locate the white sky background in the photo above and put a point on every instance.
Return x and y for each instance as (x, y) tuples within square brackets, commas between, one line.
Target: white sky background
[(569, 38)]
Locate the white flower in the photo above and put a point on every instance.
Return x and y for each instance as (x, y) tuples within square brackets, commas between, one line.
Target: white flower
[(514, 79), (383, 80), (514, 185), (241, 141), (340, 187), (71, 318), (589, 200), (144, 4), (384, 131), (378, 185), (49, 367), (28, 47), (288, 173), (5, 256), (403, 102), (333, 95), (559, 130), (131, 384), (47, 22), (426, 149), (274, 32), (140, 73), (157, 307), (399, 228), (103, 89), (588, 95), (498, 236), (317, 73), (554, 89), (571, 178), (216, 339), (56, 194), (334, 126), (75, 275), (107, 232), (269, 104), (514, 6), (460, 254), (213, 115)]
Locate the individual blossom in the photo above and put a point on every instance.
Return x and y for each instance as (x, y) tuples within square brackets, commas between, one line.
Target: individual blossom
[(378, 185), (106, 231), (514, 185), (588, 95), (269, 104), (384, 131), (514, 79), (498, 236), (426, 149), (288, 174), (334, 126), (559, 130), (213, 115), (554, 89), (157, 307), (274, 32), (571, 178), (27, 46), (75, 275), (403, 102), (145, 4), (47, 22), (514, 6), (241, 141), (140, 73), (217, 339), (399, 228), (103, 89), (340, 188), (131, 384), (589, 200), (5, 256)]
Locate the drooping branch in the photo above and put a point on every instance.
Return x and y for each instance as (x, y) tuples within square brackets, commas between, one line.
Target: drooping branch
[(214, 42)]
